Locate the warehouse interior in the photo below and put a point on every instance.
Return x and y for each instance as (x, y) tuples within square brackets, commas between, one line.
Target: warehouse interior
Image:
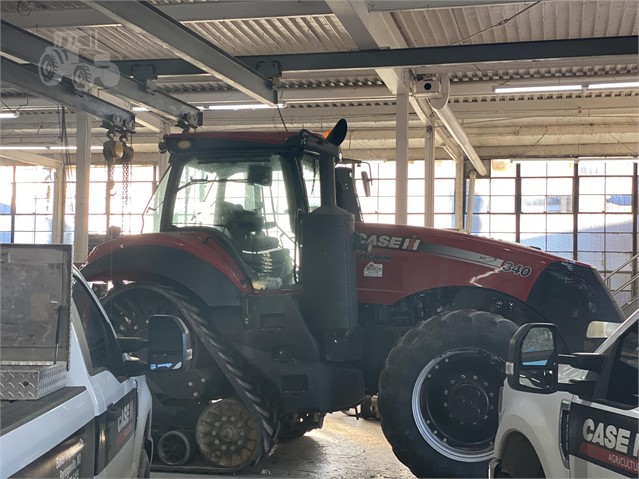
[(513, 120)]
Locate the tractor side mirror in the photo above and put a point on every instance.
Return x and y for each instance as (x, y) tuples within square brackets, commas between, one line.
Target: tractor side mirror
[(533, 359), (169, 344), (366, 183)]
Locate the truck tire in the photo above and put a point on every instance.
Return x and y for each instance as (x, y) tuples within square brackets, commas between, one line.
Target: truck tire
[(144, 466), (439, 390), (129, 307), (519, 459)]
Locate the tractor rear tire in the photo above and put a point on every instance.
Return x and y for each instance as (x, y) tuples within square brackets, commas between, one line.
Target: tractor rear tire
[(439, 390)]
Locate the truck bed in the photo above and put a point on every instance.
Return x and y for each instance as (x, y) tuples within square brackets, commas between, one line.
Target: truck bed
[(17, 413)]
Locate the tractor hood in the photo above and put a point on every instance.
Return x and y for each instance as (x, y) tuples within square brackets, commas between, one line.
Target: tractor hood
[(397, 261)]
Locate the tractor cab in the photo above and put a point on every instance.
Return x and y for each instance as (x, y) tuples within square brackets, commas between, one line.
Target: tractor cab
[(248, 190)]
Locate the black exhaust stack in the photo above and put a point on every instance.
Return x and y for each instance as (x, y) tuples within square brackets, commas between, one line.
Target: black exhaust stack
[(328, 263)]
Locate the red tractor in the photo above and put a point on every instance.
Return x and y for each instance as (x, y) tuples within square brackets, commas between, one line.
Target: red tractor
[(299, 308)]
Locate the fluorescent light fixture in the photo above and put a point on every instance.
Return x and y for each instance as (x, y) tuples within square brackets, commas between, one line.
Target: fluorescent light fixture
[(45, 148), (140, 108), (9, 114), (201, 107), (245, 106), (613, 86), (538, 89), (572, 159), (607, 158), (525, 160)]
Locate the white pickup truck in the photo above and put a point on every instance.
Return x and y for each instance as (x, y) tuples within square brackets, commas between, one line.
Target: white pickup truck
[(569, 415), (72, 404)]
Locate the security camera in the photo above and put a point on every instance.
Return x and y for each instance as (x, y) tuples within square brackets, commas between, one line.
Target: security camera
[(427, 87)]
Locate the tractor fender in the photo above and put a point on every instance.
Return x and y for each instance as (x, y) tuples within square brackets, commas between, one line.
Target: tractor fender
[(450, 298), (166, 265)]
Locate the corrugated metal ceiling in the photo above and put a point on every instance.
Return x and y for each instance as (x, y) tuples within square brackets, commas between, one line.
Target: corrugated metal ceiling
[(420, 28), (322, 32), (541, 20)]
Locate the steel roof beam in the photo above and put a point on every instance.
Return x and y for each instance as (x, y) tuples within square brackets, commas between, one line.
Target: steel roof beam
[(456, 54), (27, 77), (144, 18), (581, 48), (29, 47)]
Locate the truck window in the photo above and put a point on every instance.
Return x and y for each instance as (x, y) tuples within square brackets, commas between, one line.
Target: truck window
[(623, 385), (104, 350)]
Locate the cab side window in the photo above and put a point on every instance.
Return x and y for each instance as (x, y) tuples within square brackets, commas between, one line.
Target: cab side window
[(623, 384), (310, 172), (103, 348)]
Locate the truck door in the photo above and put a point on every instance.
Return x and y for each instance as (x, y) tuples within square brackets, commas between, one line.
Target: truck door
[(116, 409), (603, 437)]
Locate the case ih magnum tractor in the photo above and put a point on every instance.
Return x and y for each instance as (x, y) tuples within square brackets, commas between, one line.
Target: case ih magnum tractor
[(299, 308)]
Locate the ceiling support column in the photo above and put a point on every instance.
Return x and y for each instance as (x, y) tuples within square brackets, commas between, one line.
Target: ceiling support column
[(59, 191), (429, 176), (83, 174), (459, 194), (401, 160), (470, 207)]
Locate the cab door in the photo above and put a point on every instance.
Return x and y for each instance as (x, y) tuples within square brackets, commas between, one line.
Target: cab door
[(603, 434), (116, 410)]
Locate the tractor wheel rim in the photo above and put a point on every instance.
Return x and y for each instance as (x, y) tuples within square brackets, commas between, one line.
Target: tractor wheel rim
[(227, 434), (455, 403)]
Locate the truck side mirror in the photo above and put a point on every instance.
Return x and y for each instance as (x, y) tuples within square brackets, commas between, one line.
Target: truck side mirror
[(169, 345), (533, 359)]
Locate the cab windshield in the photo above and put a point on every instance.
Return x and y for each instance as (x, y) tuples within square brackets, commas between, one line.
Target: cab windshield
[(246, 199)]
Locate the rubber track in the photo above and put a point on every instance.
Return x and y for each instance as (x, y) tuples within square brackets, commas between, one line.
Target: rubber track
[(250, 387)]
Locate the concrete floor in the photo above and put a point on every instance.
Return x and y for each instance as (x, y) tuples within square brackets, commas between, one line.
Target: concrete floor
[(344, 448)]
